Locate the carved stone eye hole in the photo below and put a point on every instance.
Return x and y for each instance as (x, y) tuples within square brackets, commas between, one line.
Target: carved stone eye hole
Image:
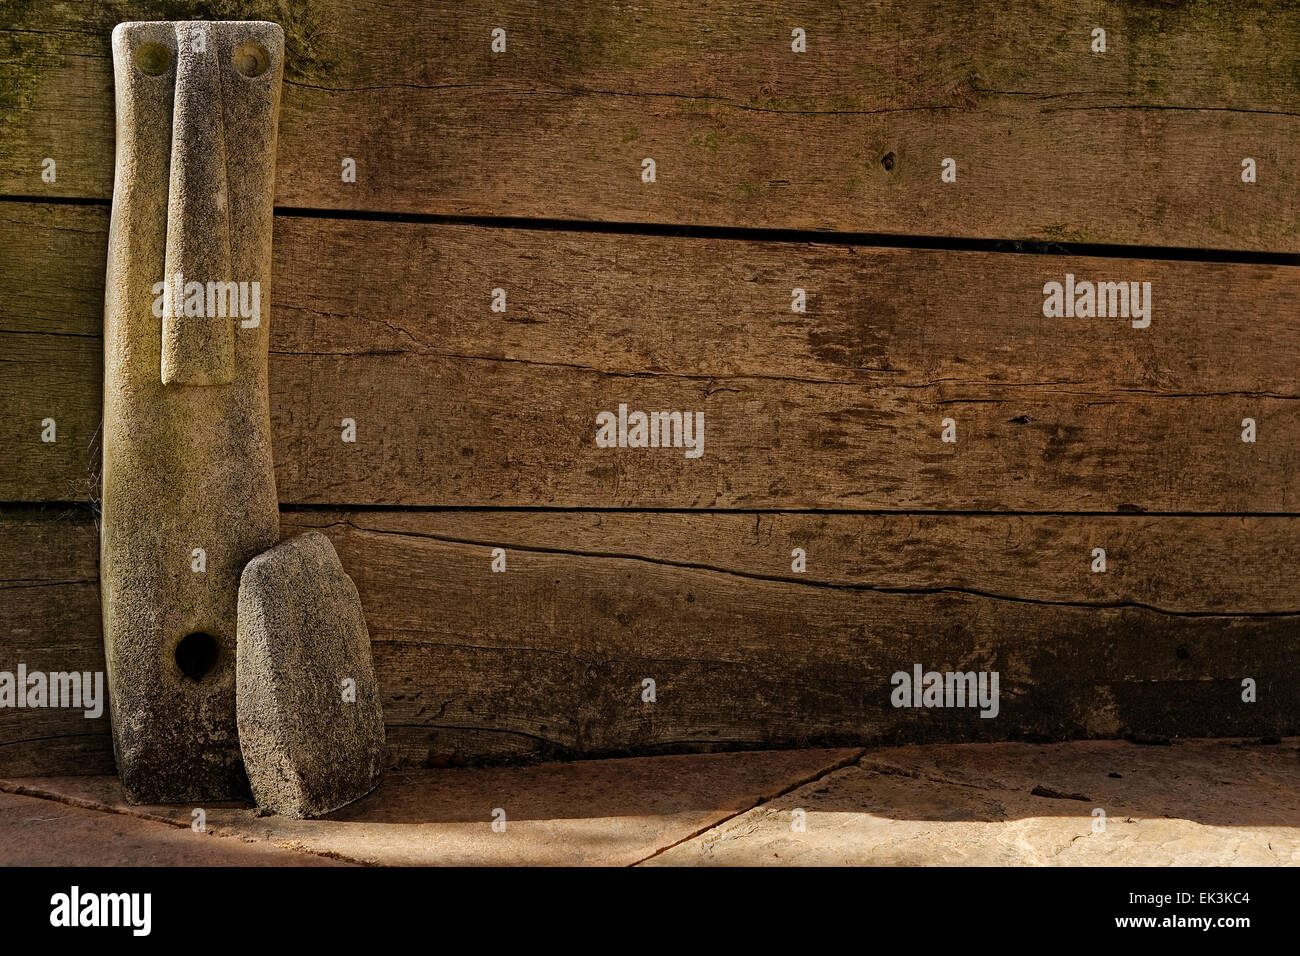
[(251, 58), (153, 59)]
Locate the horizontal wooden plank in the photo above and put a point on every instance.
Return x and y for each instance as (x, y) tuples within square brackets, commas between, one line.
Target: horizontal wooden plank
[(1173, 564), (1140, 144), (548, 658), (840, 407), (49, 619)]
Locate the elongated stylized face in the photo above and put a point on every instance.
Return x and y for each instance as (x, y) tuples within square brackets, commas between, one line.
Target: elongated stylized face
[(197, 107), (189, 483)]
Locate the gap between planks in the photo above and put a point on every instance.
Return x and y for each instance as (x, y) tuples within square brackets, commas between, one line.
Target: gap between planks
[(77, 508), (866, 240)]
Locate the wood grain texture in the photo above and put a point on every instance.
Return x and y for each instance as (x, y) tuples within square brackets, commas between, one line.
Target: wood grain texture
[(547, 659), (813, 419), (49, 619), (838, 408), (1142, 144)]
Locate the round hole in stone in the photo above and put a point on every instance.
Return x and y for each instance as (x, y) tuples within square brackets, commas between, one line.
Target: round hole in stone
[(196, 654), (251, 58), (153, 59), (888, 162)]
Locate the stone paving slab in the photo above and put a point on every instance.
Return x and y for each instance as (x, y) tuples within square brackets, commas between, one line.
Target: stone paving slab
[(1189, 803), (595, 812), (43, 832), (1227, 782)]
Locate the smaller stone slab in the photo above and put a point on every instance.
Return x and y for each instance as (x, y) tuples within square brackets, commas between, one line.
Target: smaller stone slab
[(311, 727), (45, 832)]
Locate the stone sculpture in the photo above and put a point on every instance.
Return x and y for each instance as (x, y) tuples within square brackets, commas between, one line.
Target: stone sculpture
[(188, 483), (310, 724)]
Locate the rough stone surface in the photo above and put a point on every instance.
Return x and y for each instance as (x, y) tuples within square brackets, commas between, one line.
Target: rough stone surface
[(589, 812), (186, 428), (1193, 803), (311, 725), (44, 832)]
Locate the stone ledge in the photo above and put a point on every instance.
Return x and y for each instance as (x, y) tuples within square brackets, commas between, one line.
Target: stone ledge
[(1193, 802)]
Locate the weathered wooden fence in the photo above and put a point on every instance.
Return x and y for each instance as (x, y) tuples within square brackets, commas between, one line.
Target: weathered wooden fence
[(823, 170)]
